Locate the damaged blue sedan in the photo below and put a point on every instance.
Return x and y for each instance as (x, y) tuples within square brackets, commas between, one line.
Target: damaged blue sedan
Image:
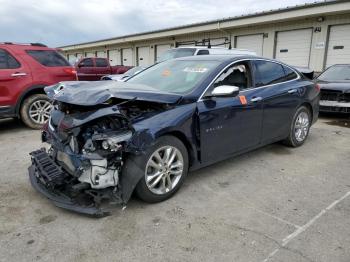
[(109, 139)]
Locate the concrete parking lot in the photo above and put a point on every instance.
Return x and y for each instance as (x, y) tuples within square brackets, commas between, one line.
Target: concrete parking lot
[(273, 204)]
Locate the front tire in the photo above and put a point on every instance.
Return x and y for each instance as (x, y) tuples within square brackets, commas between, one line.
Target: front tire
[(35, 111), (165, 167), (300, 127)]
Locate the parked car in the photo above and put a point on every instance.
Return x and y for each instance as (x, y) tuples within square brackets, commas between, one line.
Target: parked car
[(335, 89), (25, 69), (202, 50), (111, 138), (93, 68), (123, 77)]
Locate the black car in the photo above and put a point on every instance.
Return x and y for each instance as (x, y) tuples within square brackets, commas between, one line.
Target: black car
[(335, 89), (109, 139)]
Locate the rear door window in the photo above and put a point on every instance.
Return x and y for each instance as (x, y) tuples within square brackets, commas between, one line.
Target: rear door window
[(48, 58), (289, 73), (268, 73), (7, 61), (101, 62)]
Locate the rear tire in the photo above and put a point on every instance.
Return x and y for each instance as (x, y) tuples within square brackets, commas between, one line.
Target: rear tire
[(170, 170), (300, 127), (35, 111)]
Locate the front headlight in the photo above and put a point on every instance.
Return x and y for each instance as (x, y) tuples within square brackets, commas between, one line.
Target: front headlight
[(113, 142)]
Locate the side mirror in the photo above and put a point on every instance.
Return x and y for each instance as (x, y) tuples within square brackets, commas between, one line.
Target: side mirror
[(81, 64), (225, 91)]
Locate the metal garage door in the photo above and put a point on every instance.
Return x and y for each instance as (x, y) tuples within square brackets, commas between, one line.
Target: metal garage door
[(251, 42), (339, 45), (143, 57), (89, 54), (127, 56), (102, 54), (293, 47), (160, 49), (114, 57)]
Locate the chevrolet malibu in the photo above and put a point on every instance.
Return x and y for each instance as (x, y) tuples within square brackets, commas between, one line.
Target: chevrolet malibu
[(109, 139)]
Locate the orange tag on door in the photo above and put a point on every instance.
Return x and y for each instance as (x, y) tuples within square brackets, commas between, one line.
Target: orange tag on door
[(243, 100)]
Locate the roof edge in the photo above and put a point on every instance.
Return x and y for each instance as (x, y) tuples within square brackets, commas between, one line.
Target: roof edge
[(256, 14)]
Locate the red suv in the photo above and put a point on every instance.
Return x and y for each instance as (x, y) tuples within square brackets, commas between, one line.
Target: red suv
[(25, 69)]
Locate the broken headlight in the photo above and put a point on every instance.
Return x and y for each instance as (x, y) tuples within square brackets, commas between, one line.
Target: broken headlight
[(113, 142)]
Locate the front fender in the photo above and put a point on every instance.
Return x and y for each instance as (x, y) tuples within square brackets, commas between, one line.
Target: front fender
[(177, 120)]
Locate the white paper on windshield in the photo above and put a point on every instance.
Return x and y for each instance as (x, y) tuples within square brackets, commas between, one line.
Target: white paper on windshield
[(195, 69)]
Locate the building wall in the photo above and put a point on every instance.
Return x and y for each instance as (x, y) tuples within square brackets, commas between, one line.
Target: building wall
[(317, 53)]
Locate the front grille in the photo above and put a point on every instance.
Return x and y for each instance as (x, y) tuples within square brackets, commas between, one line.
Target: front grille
[(330, 95), (334, 95), (47, 170)]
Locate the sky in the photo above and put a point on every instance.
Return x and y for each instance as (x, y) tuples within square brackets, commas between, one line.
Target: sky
[(63, 22)]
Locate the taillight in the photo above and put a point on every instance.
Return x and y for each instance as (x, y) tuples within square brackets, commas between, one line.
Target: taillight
[(317, 86), (70, 71)]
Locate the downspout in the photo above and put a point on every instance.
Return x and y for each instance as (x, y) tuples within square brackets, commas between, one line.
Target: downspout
[(224, 31)]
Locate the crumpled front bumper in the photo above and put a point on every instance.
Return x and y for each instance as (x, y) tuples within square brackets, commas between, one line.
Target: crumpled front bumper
[(42, 166)]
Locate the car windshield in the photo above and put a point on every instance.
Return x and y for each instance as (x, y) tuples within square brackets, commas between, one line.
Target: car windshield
[(134, 70), (176, 53), (175, 76), (336, 73)]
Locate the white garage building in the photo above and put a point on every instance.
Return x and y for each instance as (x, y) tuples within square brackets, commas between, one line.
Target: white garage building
[(313, 35)]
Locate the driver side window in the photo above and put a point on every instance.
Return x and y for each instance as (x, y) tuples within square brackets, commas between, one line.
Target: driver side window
[(235, 75), (87, 62)]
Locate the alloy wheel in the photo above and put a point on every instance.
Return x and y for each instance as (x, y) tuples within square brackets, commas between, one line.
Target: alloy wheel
[(164, 170), (39, 111), (301, 126)]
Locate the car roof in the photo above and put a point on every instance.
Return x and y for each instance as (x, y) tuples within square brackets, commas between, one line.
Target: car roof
[(29, 46), (223, 58)]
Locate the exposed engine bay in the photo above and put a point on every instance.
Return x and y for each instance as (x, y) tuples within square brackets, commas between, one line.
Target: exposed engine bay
[(88, 146)]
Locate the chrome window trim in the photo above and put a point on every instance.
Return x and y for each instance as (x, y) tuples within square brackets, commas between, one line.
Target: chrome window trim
[(254, 88)]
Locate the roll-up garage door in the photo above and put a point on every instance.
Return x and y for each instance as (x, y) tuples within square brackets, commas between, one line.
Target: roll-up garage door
[(89, 54), (102, 54), (114, 57), (251, 42), (143, 56), (127, 56), (160, 49), (338, 45), (293, 47)]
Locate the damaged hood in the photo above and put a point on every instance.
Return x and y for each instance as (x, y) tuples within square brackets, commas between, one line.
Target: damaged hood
[(89, 93)]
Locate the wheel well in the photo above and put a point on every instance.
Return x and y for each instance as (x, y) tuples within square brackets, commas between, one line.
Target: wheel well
[(308, 106), (24, 96), (179, 135)]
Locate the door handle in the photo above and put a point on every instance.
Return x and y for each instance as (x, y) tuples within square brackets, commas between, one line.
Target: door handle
[(256, 99), (19, 74), (292, 91)]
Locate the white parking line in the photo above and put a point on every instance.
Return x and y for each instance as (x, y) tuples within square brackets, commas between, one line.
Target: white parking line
[(301, 229)]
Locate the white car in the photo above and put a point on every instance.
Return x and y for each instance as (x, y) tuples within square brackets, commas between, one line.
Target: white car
[(202, 50)]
